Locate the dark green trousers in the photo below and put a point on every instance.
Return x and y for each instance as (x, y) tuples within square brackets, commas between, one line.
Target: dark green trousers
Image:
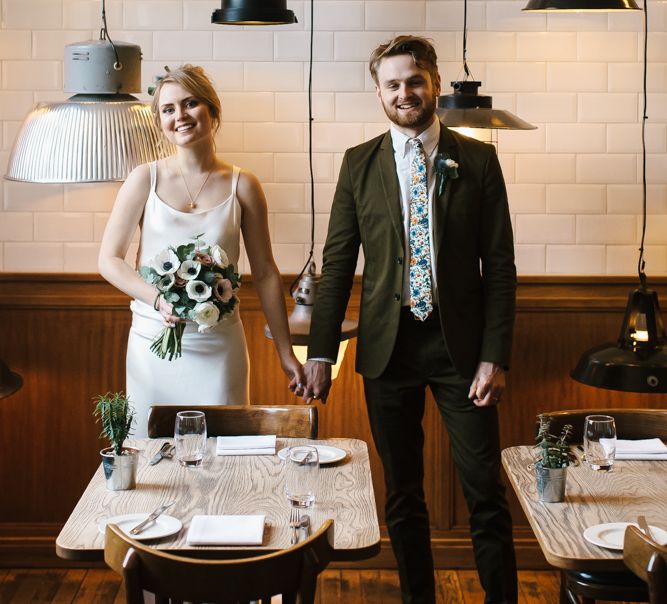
[(395, 404)]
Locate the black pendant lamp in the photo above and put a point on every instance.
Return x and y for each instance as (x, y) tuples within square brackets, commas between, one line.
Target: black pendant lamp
[(580, 5), (466, 108), (10, 382), (637, 362), (253, 12)]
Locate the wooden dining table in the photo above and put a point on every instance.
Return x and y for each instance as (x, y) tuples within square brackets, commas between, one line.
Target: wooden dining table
[(591, 498), (231, 485)]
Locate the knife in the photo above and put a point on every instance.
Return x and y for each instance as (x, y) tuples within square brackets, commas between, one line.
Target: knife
[(160, 454), (151, 518)]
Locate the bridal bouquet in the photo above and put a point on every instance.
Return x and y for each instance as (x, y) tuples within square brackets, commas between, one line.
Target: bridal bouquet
[(200, 283)]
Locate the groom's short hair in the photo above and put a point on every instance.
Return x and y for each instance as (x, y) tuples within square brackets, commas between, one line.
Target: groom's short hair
[(420, 49)]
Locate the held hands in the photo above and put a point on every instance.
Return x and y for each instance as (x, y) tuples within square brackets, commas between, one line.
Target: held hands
[(316, 384), (488, 384)]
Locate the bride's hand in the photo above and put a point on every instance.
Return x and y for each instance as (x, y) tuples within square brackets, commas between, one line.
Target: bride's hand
[(294, 371), (166, 309)]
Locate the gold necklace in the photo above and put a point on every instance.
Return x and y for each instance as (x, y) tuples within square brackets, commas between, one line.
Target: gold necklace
[(193, 200)]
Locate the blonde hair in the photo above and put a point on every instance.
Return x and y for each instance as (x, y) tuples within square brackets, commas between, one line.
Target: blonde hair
[(420, 49), (194, 79)]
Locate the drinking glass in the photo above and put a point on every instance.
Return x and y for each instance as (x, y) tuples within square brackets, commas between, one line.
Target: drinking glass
[(600, 441), (190, 437), (301, 473)]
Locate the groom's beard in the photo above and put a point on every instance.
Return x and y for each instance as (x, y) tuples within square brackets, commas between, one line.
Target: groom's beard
[(422, 117)]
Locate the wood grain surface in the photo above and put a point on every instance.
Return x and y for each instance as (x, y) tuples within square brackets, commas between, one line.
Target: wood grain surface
[(632, 488), (242, 484)]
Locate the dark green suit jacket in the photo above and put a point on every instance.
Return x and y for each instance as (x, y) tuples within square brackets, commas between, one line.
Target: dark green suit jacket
[(474, 253)]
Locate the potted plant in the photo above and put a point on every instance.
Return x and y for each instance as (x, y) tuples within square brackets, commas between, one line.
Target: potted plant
[(116, 414), (552, 462)]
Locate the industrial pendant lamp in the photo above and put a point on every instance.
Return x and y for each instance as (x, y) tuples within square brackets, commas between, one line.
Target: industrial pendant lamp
[(466, 109), (101, 133), (580, 5), (638, 360), (253, 12), (304, 287)]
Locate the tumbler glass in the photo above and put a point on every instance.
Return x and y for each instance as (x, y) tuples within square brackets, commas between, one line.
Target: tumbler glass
[(600, 441), (190, 438), (301, 475)]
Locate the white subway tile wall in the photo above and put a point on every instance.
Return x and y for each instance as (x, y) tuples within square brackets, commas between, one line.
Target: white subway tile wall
[(574, 184)]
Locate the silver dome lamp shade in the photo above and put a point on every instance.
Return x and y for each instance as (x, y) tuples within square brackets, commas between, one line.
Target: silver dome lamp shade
[(101, 133)]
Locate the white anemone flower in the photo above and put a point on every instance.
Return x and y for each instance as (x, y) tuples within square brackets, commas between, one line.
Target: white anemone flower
[(189, 269), (198, 290), (166, 282), (166, 262), (219, 256), (206, 315)]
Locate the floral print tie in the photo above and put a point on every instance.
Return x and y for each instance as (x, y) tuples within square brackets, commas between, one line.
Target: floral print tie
[(421, 297)]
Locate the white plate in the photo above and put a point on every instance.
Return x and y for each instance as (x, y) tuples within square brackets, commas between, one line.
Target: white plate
[(326, 453), (610, 535), (162, 527)]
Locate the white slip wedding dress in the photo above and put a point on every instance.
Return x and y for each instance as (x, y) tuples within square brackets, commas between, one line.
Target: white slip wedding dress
[(213, 368)]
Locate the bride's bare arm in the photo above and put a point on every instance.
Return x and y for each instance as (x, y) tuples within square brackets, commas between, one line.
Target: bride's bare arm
[(118, 234), (265, 274)]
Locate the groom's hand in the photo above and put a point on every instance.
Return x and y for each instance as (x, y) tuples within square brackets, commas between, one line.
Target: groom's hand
[(487, 385), (318, 381)]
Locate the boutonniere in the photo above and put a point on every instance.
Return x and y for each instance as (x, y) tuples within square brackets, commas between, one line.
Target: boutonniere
[(446, 167)]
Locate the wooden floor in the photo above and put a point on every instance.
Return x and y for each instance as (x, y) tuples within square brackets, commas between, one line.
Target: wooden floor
[(99, 586)]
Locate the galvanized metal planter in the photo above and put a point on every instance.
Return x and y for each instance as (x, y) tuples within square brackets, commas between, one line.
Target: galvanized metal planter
[(120, 471), (550, 483)]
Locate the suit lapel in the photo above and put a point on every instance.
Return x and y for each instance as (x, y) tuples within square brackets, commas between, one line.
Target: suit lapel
[(392, 195), (447, 144)]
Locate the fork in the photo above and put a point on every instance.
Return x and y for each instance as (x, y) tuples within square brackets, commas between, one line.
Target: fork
[(294, 522)]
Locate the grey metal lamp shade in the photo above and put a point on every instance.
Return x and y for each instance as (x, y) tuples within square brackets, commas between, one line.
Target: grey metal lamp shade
[(465, 108), (10, 382), (580, 5), (98, 135), (638, 360), (253, 12), (89, 138)]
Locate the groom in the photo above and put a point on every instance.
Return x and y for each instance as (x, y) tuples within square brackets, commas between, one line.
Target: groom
[(429, 208)]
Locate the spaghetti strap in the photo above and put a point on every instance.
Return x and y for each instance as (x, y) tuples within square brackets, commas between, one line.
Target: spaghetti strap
[(235, 179), (153, 170)]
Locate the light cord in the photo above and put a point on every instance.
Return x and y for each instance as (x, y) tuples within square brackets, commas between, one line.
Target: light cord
[(310, 157), (641, 263), (104, 35)]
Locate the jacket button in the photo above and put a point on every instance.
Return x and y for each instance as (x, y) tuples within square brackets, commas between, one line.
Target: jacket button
[(399, 260), (397, 297)]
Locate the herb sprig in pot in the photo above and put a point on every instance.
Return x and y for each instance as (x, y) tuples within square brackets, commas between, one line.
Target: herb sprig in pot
[(554, 451)]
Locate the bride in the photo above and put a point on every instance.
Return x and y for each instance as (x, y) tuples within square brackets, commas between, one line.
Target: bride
[(171, 201)]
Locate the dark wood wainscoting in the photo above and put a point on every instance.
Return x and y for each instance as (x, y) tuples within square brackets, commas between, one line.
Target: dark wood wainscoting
[(66, 335)]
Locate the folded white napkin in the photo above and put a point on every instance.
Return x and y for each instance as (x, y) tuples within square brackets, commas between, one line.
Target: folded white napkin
[(226, 530), (246, 445), (647, 448)]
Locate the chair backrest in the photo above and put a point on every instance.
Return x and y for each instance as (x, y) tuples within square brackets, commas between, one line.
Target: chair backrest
[(630, 423), (648, 561), (289, 421), (289, 572)]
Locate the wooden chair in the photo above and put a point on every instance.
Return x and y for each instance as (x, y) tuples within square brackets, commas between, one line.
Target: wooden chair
[(630, 423), (583, 587), (648, 561), (290, 421), (291, 572)]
